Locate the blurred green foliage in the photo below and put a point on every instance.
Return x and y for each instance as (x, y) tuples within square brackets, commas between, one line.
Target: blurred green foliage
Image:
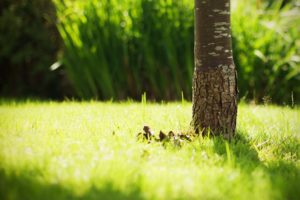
[(119, 49), (29, 43), (122, 48), (266, 46), (115, 49)]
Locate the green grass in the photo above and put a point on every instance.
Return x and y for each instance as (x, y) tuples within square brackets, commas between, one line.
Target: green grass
[(89, 150)]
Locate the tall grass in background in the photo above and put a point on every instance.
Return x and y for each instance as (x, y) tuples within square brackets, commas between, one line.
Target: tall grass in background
[(267, 50), (119, 49), (122, 48)]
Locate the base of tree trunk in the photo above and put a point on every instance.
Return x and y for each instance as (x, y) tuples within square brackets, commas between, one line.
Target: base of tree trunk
[(215, 100)]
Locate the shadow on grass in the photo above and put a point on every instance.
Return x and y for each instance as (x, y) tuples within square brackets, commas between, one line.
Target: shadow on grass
[(27, 188), (283, 174)]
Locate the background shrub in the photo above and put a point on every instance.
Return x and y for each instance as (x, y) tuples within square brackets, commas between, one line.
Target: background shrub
[(122, 48), (267, 51), (118, 49), (29, 44)]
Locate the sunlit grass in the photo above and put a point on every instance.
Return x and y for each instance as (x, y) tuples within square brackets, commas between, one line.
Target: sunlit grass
[(89, 150)]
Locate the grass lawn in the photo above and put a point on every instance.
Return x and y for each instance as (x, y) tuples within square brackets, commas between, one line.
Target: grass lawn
[(89, 150)]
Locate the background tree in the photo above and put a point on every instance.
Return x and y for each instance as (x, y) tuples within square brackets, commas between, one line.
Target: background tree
[(215, 80), (29, 44)]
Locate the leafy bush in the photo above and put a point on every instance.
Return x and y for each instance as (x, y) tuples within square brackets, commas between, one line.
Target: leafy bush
[(29, 43), (116, 49), (267, 51)]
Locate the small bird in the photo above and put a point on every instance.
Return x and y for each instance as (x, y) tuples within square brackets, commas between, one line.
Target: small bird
[(148, 133), (180, 135), (177, 139), (171, 134), (188, 137), (184, 137), (162, 136)]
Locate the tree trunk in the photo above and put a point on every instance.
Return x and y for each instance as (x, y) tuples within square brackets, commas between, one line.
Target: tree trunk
[(215, 79)]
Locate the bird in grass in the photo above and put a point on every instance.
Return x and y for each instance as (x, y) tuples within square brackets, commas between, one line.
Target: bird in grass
[(163, 136), (148, 133)]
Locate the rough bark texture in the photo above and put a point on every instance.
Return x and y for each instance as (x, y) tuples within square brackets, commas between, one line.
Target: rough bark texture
[(215, 80)]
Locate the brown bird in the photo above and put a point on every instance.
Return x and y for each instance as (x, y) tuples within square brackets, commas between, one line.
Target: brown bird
[(184, 136), (188, 137), (171, 134), (162, 136), (148, 133)]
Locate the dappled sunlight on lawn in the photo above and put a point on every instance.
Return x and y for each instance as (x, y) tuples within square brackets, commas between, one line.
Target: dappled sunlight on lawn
[(87, 150)]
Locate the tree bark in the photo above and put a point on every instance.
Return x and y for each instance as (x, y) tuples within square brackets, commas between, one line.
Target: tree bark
[(215, 78)]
